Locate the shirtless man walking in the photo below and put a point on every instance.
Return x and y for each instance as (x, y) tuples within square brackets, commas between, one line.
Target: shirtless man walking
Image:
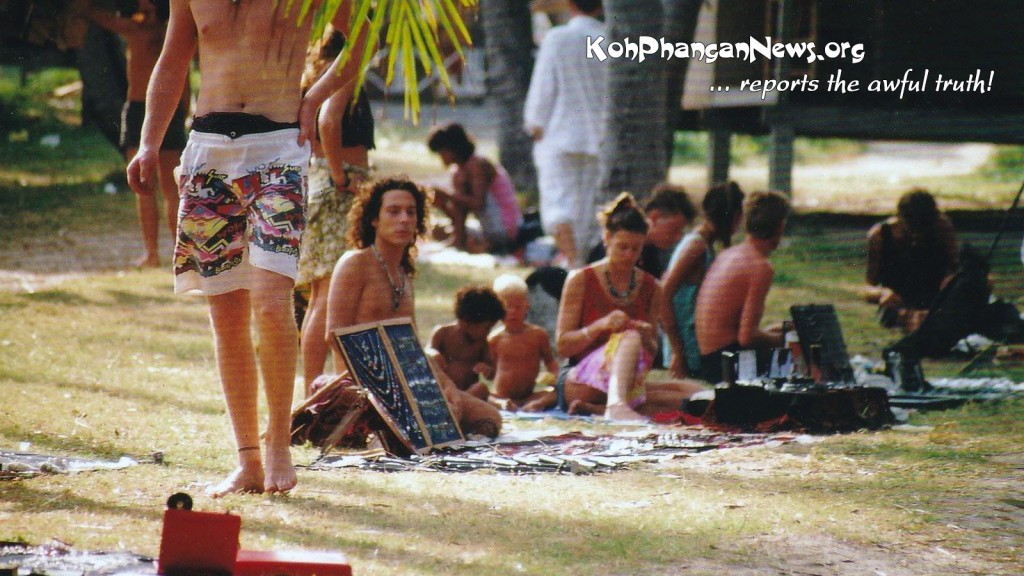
[(242, 194), (731, 300), (143, 32), (374, 281)]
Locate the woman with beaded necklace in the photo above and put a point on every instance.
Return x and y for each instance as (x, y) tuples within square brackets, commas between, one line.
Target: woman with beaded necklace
[(607, 327)]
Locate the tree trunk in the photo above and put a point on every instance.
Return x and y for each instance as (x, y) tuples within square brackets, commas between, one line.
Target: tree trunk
[(680, 26), (101, 64), (633, 154), (508, 39)]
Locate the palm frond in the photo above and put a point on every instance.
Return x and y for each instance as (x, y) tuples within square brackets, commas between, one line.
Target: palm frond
[(414, 29)]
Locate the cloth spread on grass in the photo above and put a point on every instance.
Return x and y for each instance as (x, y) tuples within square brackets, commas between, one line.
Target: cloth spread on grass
[(21, 465), (569, 453)]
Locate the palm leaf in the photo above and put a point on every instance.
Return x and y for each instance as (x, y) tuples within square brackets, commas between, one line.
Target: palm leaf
[(413, 30)]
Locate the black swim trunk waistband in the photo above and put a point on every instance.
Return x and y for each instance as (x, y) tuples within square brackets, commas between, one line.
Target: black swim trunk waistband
[(238, 124)]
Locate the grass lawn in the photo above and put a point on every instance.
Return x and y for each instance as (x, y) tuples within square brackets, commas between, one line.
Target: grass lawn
[(99, 361)]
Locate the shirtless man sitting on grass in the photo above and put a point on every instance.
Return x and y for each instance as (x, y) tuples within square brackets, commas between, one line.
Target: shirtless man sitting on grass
[(373, 282), (732, 298), (241, 214), (518, 349)]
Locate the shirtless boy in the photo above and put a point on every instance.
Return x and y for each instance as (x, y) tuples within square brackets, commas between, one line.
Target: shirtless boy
[(373, 281), (460, 347), (732, 298), (242, 195), (518, 349), (143, 32)]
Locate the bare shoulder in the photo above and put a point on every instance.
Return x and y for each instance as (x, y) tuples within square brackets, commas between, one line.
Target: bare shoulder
[(536, 332), (574, 280), (353, 262), (444, 331)]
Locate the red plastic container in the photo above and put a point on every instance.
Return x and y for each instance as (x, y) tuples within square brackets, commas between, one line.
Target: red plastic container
[(198, 541), (291, 563)]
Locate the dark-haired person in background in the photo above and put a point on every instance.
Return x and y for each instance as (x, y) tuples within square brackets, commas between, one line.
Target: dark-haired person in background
[(480, 187), (669, 211), (335, 173), (607, 327), (723, 209), (373, 281), (460, 347), (143, 31), (910, 256)]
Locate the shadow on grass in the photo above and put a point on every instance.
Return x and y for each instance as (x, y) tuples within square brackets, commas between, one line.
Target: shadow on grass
[(558, 538), (118, 298), (23, 497), (62, 297)]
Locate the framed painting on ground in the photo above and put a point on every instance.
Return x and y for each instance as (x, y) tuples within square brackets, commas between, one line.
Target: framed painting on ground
[(387, 360)]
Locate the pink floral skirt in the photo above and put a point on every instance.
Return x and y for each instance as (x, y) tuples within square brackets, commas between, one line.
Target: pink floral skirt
[(594, 370)]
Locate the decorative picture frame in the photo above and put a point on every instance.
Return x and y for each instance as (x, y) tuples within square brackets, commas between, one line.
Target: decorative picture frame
[(387, 360)]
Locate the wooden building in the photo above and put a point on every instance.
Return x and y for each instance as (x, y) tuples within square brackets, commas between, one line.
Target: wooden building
[(908, 51)]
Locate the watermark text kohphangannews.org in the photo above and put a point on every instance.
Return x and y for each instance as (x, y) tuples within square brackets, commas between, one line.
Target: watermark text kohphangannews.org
[(643, 47)]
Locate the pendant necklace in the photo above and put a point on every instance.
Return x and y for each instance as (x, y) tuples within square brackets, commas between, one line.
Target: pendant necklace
[(611, 287), (396, 291)]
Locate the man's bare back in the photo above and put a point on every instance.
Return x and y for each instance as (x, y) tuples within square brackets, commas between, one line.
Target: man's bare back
[(731, 301), (725, 292), (518, 357)]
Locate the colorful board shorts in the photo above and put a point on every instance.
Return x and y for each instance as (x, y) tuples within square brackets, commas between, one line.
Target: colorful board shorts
[(594, 370), (242, 205)]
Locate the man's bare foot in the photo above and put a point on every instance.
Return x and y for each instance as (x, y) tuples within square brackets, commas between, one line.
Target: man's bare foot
[(581, 408), (242, 480), (622, 412), (279, 472), (147, 261)]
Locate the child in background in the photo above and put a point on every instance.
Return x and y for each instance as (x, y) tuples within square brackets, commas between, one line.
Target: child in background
[(518, 349), (460, 348)]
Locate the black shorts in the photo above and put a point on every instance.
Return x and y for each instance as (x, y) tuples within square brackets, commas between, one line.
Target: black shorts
[(132, 116), (711, 364), (357, 124)]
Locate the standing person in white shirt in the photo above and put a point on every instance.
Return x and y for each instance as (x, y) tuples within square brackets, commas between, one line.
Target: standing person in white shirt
[(564, 114)]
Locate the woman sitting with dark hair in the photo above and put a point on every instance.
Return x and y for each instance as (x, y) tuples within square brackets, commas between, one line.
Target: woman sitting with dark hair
[(910, 256), (607, 327), (478, 186), (723, 211)]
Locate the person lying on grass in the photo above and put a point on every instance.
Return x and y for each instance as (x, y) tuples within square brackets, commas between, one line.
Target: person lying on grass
[(460, 348), (518, 349), (374, 281)]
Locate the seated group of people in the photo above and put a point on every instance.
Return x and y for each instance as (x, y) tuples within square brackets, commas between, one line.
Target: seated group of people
[(706, 303), (610, 311)]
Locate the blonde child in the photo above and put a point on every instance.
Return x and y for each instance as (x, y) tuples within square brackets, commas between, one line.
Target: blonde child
[(518, 348)]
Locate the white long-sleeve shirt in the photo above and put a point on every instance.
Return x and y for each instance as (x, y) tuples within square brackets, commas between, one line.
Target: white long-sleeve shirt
[(567, 92)]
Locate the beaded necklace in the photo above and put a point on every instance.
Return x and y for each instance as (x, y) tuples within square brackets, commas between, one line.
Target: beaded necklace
[(396, 291), (629, 289)]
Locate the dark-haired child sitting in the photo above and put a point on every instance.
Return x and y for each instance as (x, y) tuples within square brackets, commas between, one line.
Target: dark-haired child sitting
[(480, 187), (460, 348), (518, 349)]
